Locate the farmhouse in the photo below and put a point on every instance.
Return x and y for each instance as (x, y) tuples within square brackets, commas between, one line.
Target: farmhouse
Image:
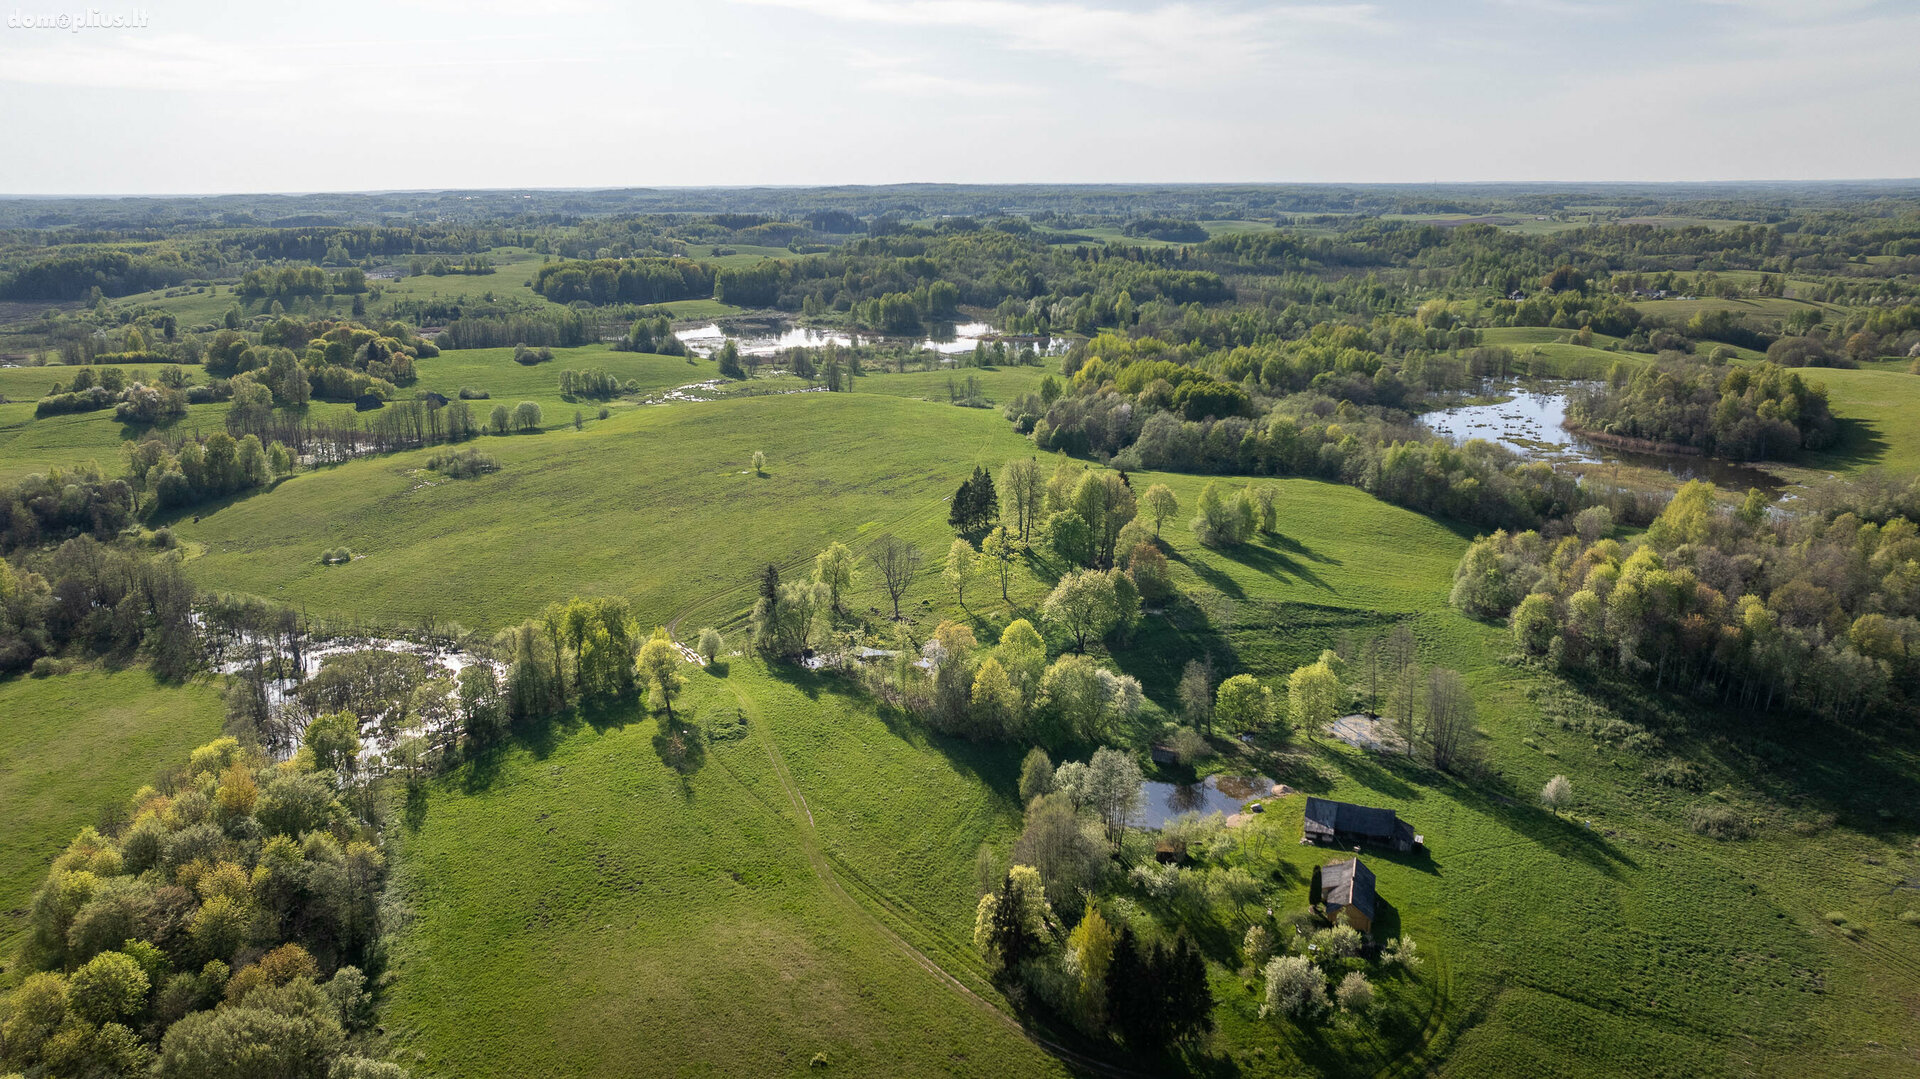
[(1346, 887), (1346, 824)]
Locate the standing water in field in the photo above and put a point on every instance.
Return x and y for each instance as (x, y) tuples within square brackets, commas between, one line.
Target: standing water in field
[(1530, 419), (949, 339)]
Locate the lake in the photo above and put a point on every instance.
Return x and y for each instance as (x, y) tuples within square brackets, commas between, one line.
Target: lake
[(1531, 421)]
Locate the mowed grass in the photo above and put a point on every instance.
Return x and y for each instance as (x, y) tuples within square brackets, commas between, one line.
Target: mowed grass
[(581, 908), (73, 744)]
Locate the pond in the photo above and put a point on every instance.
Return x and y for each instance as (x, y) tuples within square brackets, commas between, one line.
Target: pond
[(948, 339), (1161, 802), (1531, 421)]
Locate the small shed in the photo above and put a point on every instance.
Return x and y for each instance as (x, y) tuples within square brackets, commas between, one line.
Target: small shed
[(1170, 851), (1164, 754), (1347, 888)]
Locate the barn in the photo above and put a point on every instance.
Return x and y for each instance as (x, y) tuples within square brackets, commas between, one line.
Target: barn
[(1346, 824)]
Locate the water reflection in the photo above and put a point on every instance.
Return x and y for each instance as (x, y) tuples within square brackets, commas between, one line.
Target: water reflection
[(1532, 423), (948, 339), (1161, 802)]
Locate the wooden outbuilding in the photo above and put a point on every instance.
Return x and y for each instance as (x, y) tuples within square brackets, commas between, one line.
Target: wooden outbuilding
[(1345, 824), (1346, 888)]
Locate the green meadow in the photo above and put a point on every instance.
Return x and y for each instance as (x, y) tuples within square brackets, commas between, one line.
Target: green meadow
[(574, 900), (72, 745)]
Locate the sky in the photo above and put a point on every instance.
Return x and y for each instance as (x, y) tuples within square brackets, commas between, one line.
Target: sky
[(191, 97)]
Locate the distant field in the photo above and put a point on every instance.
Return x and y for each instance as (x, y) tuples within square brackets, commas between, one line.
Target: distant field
[(653, 504), (1879, 408), (72, 744), (1768, 308)]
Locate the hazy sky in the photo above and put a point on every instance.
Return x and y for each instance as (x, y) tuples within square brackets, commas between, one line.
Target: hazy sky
[(210, 97)]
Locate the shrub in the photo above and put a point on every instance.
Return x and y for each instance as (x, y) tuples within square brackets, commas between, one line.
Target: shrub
[(1294, 988), (605, 412), (710, 644), (463, 464), (468, 393), (1355, 992), (334, 556), (1674, 772), (1719, 822), (47, 667), (1557, 793)]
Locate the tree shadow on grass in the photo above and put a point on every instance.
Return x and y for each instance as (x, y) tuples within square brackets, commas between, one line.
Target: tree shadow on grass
[(1278, 564), (1558, 834), (1394, 776), (681, 746)]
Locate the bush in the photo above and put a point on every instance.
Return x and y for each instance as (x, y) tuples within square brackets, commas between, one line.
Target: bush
[(1557, 793), (463, 464), (468, 393), (1294, 988), (1355, 993), (1719, 822), (47, 666), (334, 556), (710, 644)]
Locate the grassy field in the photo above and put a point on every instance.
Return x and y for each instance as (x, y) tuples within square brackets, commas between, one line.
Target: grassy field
[(1876, 405), (802, 883), (653, 504), (1609, 940), (73, 744)]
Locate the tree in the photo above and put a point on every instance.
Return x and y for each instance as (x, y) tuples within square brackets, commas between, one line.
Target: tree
[(1106, 503), (501, 420), (1533, 622), (107, 987), (483, 712), (1187, 1009), (1014, 922), (959, 569), (1161, 504), (1150, 573), (1089, 954), (1113, 789), (1196, 692), (729, 357), (1243, 704), (1057, 843), (997, 551), (660, 665), (899, 561), (1083, 605), (1449, 710), (995, 701), (1036, 775), (1130, 992), (1355, 993), (1295, 988), (1266, 498), (835, 568), (974, 504), (526, 416), (711, 644), (1023, 652), (1022, 489), (1313, 696), (759, 463), (1557, 793), (334, 739)]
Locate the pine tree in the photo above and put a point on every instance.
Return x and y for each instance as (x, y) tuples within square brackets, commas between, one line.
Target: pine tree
[(1013, 941), (1189, 1000), (1129, 1007), (960, 515)]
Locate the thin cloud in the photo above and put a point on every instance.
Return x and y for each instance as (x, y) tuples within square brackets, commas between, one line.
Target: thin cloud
[(1170, 44)]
